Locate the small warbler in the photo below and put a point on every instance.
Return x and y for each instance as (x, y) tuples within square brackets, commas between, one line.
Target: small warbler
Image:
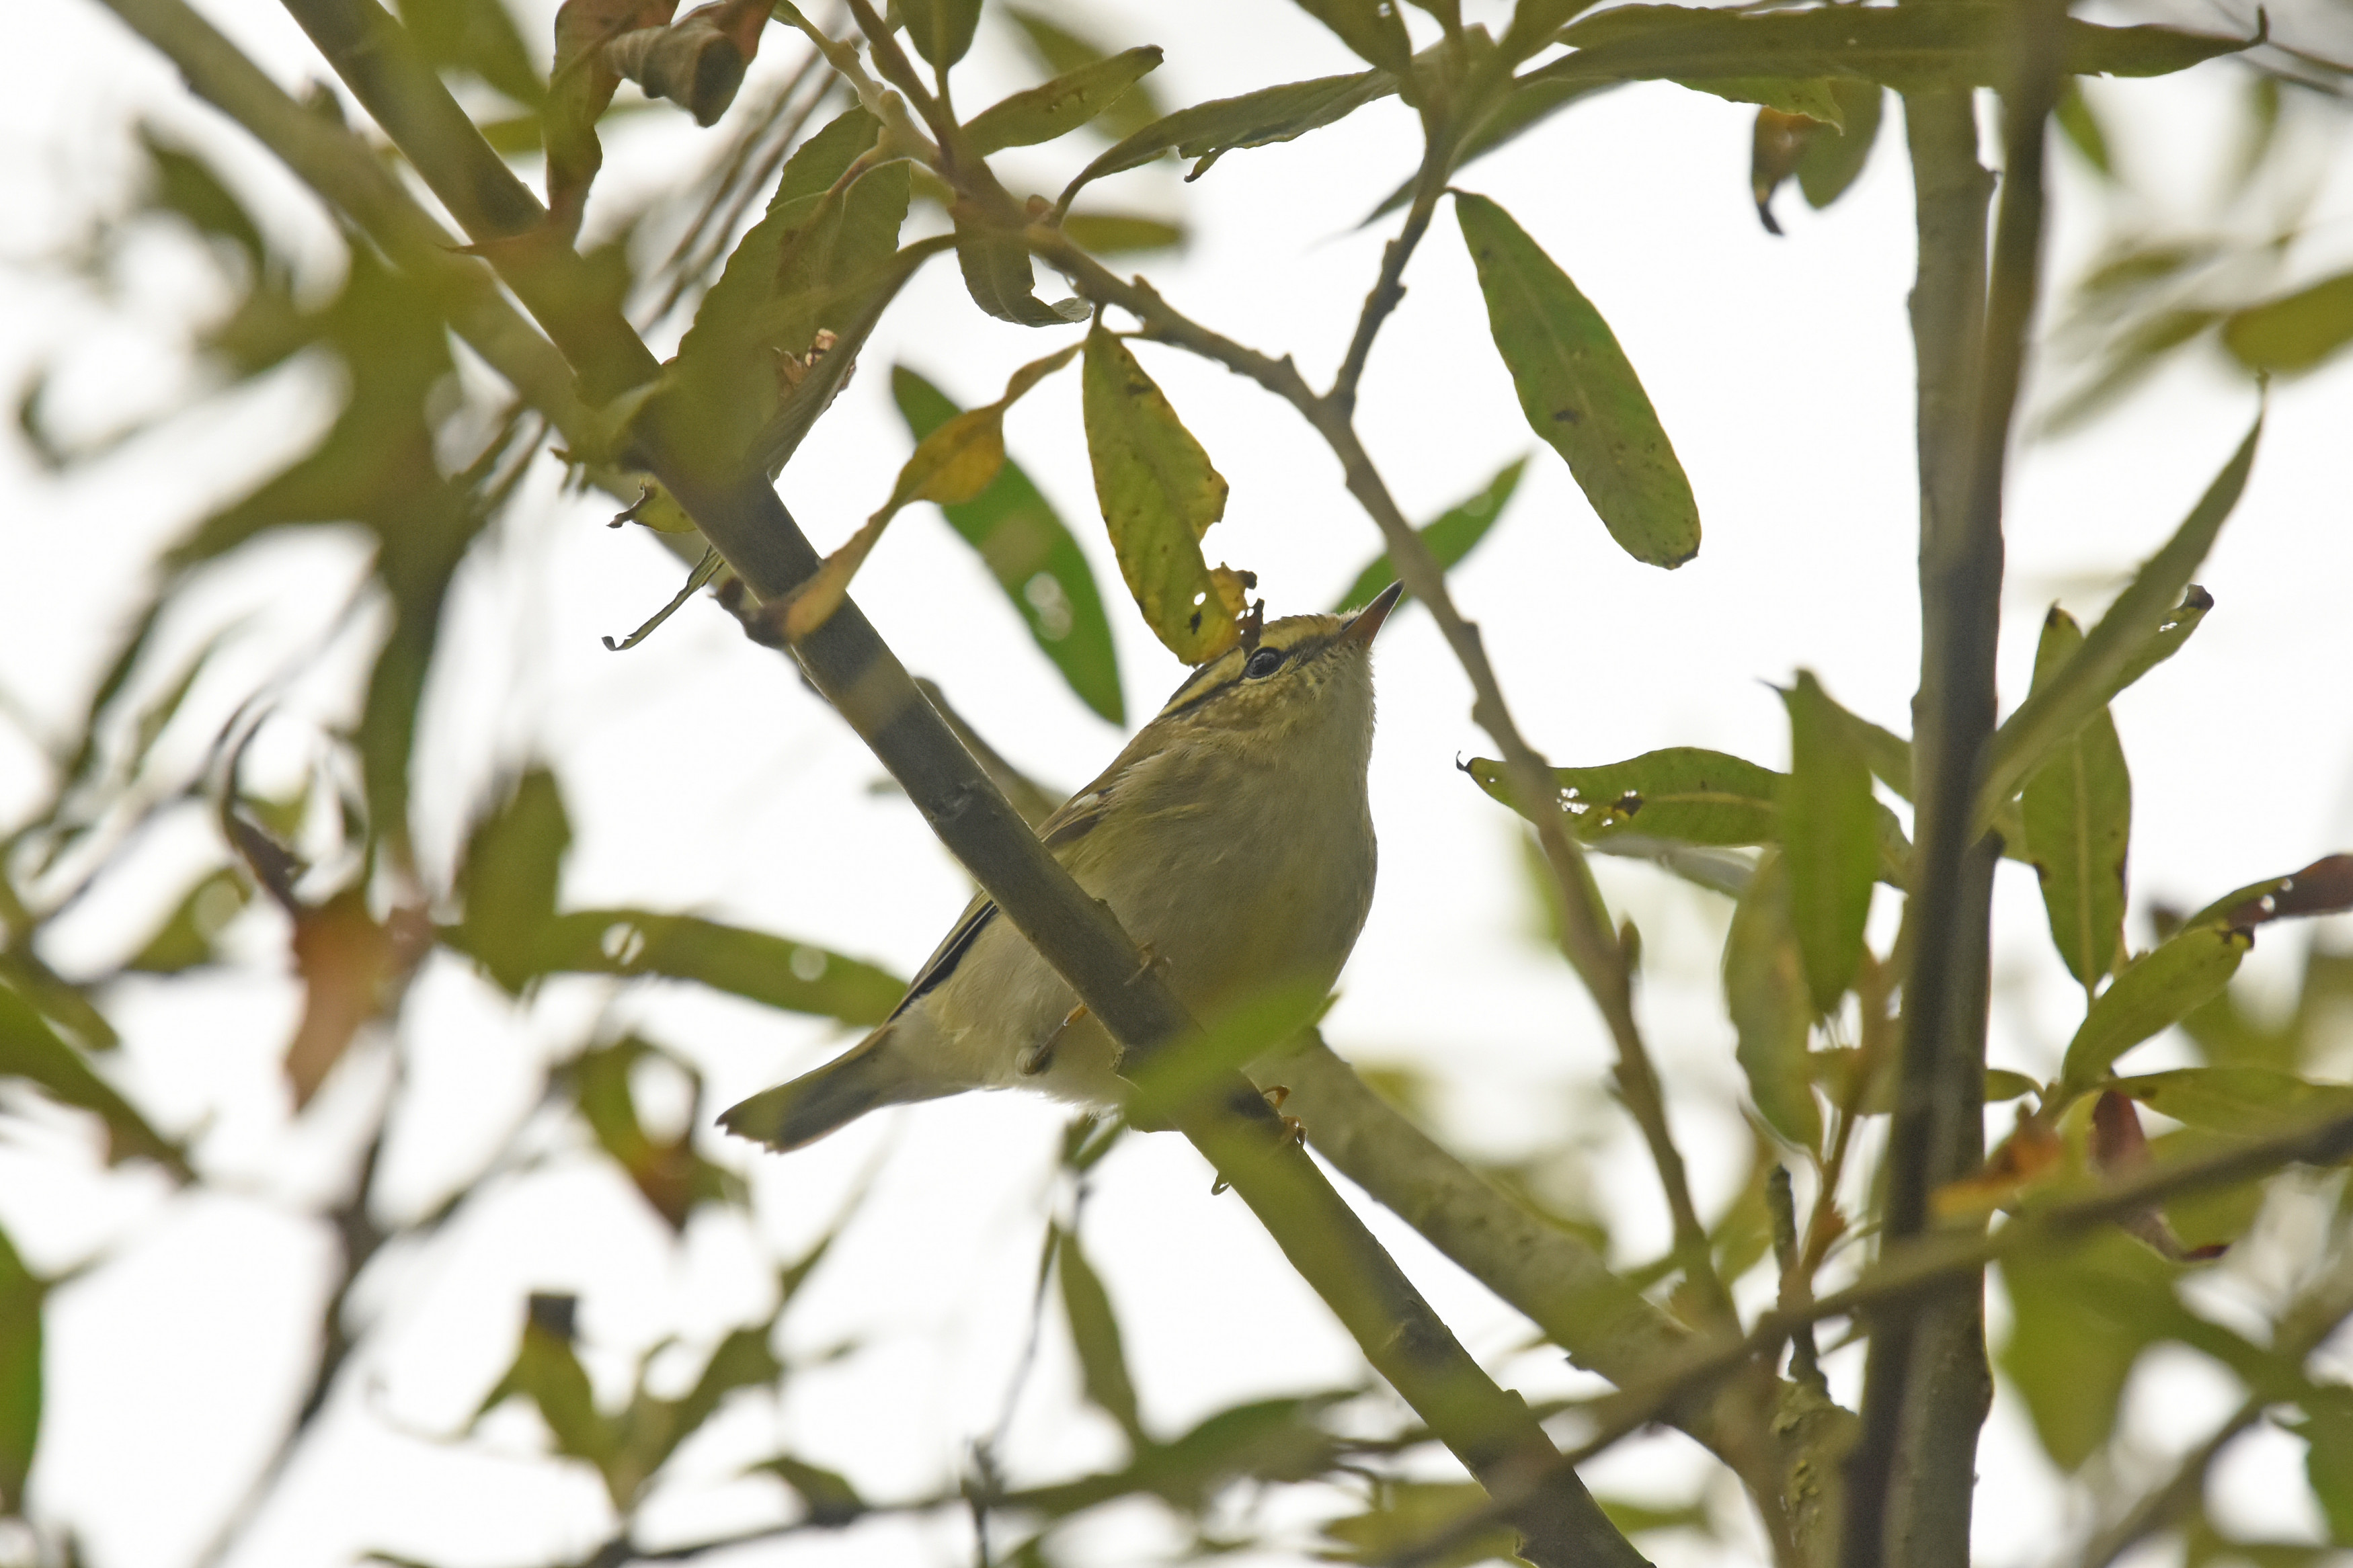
[(1232, 839)]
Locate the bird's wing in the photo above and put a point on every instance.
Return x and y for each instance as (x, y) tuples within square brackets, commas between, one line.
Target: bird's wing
[(950, 952), (1071, 821)]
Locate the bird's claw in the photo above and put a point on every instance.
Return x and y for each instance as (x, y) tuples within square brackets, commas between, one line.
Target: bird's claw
[(1040, 1057), (1293, 1128)]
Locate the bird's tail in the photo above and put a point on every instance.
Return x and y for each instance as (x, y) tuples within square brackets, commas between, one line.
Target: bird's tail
[(865, 1079)]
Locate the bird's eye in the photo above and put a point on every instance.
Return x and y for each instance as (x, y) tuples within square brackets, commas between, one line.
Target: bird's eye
[(1262, 663)]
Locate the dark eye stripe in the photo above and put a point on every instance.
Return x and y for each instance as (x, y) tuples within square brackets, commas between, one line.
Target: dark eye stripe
[(1227, 670)]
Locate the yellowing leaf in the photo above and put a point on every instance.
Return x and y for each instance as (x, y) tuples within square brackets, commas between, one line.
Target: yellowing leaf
[(1159, 495), (960, 458)]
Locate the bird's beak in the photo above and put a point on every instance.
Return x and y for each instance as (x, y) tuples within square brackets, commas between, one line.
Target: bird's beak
[(1365, 623)]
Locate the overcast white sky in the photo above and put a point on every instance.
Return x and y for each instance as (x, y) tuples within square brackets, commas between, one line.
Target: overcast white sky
[(702, 775)]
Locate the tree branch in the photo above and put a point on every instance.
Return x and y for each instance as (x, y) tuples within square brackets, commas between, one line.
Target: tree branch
[(1489, 1428), (2318, 1309), (1924, 1264), (1926, 1384)]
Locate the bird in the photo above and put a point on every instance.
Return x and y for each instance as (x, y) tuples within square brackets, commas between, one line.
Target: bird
[(1232, 837)]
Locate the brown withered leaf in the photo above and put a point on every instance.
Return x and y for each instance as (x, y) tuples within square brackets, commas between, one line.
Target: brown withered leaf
[(697, 62), (353, 969), (2119, 1147), (582, 85), (2032, 1151), (1774, 151)]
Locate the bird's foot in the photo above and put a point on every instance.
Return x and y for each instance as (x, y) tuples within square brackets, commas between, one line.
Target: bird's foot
[(1293, 1128), (1040, 1057), (1153, 963)]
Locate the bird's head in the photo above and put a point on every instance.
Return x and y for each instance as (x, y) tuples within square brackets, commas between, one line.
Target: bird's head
[(1298, 677)]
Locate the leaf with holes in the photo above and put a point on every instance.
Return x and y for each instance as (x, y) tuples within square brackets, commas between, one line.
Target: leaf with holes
[(1578, 392), (1063, 52), (1207, 132), (1159, 496), (1062, 105)]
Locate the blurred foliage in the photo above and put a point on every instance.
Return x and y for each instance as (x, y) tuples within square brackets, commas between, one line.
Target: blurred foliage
[(782, 253)]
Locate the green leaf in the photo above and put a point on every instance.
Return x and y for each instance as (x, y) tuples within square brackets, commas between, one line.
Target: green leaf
[(2120, 646), (1766, 993), (30, 1050), (2327, 1433), (1578, 391), (671, 1175), (1405, 1514), (547, 1372), (1123, 234), (941, 30), (1808, 96), (2239, 1101), (1963, 41), (1535, 24), (1063, 52), (1831, 162), (2297, 332), (1061, 105), (1033, 555), (1830, 837), (1371, 27), (2082, 128), (828, 1500), (507, 880), (793, 273), (20, 1375), (477, 36), (185, 940), (1158, 495), (2077, 810), (186, 185), (773, 971), (2002, 1084), (2150, 995), (1686, 794), (1207, 132), (1094, 1330), (2082, 1316), (998, 275), (1451, 537)]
